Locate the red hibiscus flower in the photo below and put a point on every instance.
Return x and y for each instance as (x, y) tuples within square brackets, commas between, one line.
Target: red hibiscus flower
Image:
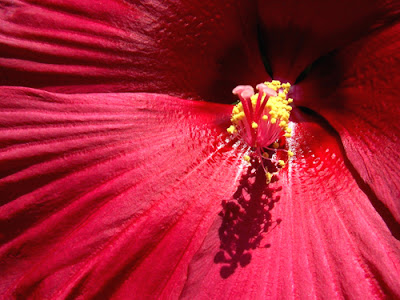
[(116, 183)]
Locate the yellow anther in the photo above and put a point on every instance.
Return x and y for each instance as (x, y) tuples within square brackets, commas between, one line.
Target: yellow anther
[(268, 177), (246, 158), (290, 100), (265, 117), (235, 110), (273, 120), (275, 145), (231, 129), (281, 163), (282, 124), (271, 86), (290, 153), (254, 125), (289, 130), (288, 135), (275, 82), (254, 100), (239, 116), (265, 155)]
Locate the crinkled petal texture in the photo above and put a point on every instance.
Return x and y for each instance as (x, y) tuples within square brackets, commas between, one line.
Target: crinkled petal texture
[(311, 234), (296, 33), (107, 194), (199, 49), (142, 195), (355, 90)]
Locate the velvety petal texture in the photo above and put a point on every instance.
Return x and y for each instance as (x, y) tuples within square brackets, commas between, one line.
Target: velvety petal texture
[(118, 195), (354, 90), (312, 234), (197, 49), (107, 194), (110, 194), (296, 33)]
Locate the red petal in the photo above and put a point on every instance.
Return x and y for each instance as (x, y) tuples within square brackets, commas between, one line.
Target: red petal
[(298, 32), (315, 236), (105, 194), (356, 91), (197, 49)]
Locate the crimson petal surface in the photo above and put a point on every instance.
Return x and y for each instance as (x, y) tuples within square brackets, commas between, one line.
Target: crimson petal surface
[(296, 33), (355, 89), (197, 49), (311, 234), (105, 194)]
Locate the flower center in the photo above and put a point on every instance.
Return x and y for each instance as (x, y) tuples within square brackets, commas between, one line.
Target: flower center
[(261, 119)]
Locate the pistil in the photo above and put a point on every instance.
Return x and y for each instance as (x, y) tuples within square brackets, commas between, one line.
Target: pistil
[(261, 119)]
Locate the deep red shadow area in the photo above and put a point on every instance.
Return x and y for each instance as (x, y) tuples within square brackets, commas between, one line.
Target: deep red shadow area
[(246, 218)]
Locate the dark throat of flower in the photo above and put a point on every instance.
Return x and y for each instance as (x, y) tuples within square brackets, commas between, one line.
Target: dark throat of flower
[(261, 120)]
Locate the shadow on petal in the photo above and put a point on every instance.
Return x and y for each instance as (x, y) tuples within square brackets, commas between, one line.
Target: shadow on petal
[(246, 218)]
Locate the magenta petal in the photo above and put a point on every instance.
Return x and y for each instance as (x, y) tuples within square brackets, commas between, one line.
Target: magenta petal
[(318, 237), (107, 194), (198, 49), (356, 91), (296, 33)]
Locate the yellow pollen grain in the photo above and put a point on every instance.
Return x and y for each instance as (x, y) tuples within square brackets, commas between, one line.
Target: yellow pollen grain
[(238, 117), (254, 125), (281, 163), (290, 153), (290, 100), (246, 158), (271, 86), (288, 135), (276, 82), (254, 100), (286, 87), (231, 129), (268, 177), (265, 117), (279, 108)]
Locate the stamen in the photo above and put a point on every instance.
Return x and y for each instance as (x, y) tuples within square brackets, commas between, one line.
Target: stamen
[(261, 119)]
